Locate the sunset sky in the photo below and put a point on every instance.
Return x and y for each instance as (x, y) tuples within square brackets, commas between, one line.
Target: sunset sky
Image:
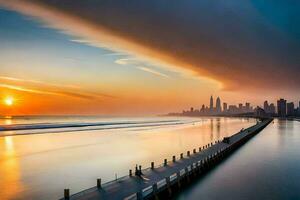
[(145, 57)]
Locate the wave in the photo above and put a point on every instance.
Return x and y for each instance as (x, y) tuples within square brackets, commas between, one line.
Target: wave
[(41, 128)]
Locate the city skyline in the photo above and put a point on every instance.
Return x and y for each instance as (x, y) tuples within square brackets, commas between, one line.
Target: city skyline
[(283, 108)]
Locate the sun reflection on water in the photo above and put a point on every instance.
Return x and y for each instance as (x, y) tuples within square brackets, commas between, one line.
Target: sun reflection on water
[(9, 169), (7, 121), (9, 146)]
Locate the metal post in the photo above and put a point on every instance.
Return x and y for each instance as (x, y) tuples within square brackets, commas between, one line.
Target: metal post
[(165, 162), (154, 186), (130, 172), (152, 165), (188, 153), (136, 170), (181, 156), (67, 194), (169, 186), (139, 195), (194, 151), (187, 174), (178, 179), (174, 158), (99, 183)]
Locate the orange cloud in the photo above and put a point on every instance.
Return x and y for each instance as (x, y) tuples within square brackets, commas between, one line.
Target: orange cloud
[(212, 39), (38, 82), (29, 86)]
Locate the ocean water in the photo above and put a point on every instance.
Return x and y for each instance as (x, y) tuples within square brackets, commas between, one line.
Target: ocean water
[(40, 156), (267, 167)]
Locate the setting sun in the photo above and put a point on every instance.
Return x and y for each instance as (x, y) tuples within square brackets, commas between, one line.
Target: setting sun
[(9, 101)]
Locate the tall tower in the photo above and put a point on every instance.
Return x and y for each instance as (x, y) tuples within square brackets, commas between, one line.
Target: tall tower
[(218, 105), (281, 108), (224, 107), (211, 105), (266, 106), (290, 109)]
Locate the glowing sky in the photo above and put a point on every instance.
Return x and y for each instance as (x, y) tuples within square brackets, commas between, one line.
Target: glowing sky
[(145, 57)]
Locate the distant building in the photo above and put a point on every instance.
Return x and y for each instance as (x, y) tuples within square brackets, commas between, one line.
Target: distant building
[(224, 107), (211, 104), (290, 109), (241, 109), (269, 109), (259, 112), (192, 109), (281, 108), (272, 109), (266, 106), (248, 109), (218, 106), (202, 110), (233, 109)]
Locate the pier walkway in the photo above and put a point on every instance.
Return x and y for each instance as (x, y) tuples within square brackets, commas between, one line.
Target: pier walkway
[(149, 183)]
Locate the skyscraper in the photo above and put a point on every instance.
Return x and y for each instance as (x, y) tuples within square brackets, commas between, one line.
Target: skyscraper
[(272, 108), (224, 107), (202, 110), (281, 108), (241, 110), (290, 109), (211, 105), (266, 106), (248, 107), (218, 105)]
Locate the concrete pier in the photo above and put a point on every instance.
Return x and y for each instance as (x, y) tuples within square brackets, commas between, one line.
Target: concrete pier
[(164, 180)]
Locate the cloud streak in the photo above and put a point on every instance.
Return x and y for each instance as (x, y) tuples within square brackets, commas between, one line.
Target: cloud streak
[(38, 82), (30, 86), (146, 69), (243, 44)]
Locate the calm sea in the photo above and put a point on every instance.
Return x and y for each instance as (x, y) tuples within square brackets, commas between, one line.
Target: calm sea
[(267, 167), (40, 156)]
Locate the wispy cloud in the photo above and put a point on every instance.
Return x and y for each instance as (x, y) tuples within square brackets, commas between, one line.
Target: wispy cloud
[(136, 62), (57, 92), (115, 54), (152, 71), (22, 89), (43, 88), (39, 82), (126, 61)]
